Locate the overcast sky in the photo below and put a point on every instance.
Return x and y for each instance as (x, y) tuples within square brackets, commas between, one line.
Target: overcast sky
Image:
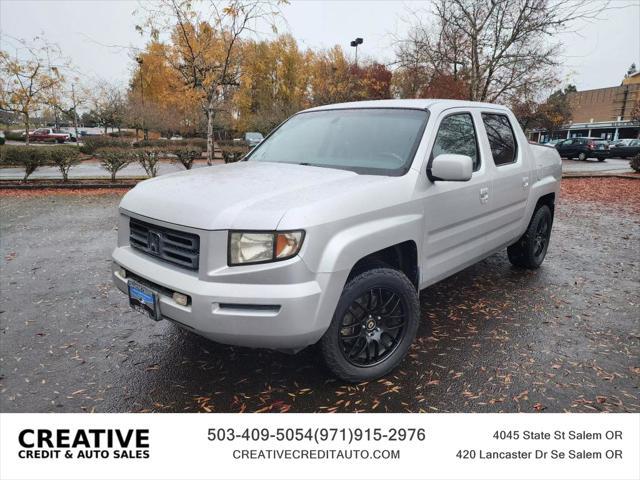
[(596, 55)]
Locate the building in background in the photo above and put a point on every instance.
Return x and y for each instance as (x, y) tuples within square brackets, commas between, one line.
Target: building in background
[(610, 113)]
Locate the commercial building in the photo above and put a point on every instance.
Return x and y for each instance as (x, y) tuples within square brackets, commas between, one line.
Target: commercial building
[(602, 112)]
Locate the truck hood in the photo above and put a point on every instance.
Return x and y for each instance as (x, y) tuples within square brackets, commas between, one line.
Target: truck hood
[(243, 195)]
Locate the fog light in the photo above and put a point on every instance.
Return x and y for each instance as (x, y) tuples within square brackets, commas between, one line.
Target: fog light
[(121, 272), (180, 298)]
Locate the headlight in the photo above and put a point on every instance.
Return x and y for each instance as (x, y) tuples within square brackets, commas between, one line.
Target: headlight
[(261, 247)]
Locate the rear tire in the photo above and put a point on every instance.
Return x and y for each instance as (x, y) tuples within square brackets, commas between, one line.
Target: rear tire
[(374, 325), (531, 249)]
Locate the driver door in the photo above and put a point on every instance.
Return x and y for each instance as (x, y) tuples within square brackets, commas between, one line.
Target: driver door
[(455, 212)]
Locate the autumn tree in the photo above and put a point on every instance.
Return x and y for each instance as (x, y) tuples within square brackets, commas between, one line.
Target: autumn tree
[(273, 83), (69, 101), (108, 106), (204, 47), (550, 114), (330, 77), (28, 78), (157, 98), (494, 48)]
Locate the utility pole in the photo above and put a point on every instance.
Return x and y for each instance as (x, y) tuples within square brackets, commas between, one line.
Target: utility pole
[(145, 132), (355, 43), (75, 113)]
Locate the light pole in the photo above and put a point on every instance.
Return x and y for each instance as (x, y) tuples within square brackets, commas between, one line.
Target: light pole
[(355, 43), (145, 133)]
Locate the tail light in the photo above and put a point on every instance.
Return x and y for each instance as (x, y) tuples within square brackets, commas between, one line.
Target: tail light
[(591, 145)]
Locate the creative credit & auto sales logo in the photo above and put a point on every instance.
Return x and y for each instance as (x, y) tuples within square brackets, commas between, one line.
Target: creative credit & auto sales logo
[(81, 443)]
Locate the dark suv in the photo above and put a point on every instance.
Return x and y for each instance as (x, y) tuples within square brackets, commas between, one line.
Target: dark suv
[(583, 148)]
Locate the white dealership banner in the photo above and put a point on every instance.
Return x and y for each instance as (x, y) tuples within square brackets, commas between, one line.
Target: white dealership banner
[(319, 446)]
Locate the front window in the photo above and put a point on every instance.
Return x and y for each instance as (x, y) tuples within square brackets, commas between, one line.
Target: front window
[(457, 135), (377, 141)]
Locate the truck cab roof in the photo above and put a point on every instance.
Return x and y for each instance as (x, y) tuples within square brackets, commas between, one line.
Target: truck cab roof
[(416, 103)]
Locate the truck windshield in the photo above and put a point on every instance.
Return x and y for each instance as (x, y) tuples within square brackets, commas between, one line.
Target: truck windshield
[(378, 141)]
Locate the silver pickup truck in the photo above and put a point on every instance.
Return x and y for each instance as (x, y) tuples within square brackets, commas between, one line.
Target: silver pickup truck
[(328, 230)]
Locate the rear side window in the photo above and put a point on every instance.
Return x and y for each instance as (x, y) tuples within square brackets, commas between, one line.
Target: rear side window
[(501, 138), (457, 135)]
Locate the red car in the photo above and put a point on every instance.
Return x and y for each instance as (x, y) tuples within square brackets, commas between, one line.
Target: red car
[(47, 135)]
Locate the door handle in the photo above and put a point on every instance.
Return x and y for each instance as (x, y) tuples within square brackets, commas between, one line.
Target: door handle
[(525, 182), (484, 195)]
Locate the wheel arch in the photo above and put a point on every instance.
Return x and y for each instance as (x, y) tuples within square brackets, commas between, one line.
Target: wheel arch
[(402, 256)]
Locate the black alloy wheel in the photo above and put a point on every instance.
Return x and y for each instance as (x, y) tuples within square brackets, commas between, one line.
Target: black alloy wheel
[(541, 239), (373, 327), (374, 324)]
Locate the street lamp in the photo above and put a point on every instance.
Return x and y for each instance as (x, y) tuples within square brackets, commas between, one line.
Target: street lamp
[(145, 132), (355, 43)]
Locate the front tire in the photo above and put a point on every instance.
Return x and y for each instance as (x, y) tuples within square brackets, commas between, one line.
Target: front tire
[(531, 249), (582, 156), (374, 324)]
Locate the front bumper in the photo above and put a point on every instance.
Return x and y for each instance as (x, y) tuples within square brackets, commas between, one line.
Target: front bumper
[(288, 316)]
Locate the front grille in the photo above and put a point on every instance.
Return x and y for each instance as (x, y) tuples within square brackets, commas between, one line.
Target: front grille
[(180, 248)]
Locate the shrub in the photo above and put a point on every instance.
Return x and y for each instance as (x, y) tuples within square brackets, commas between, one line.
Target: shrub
[(29, 158), (1, 140), (635, 163), (164, 143), (64, 158), (122, 133), (15, 136), (148, 158), (186, 155), (233, 152), (94, 143), (114, 159)]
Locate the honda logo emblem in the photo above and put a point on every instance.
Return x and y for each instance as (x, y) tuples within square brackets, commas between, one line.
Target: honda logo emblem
[(154, 242)]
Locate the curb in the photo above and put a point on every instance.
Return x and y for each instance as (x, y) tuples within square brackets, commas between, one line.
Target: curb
[(628, 176), (65, 186)]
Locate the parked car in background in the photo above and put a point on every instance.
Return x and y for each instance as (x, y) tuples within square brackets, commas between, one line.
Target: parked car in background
[(253, 138), (583, 148), (623, 142), (72, 134), (628, 150), (553, 143), (48, 135), (330, 228)]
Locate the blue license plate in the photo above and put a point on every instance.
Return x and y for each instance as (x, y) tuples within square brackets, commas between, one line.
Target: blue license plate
[(144, 300)]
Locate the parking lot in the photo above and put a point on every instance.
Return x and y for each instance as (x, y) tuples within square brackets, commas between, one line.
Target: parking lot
[(563, 338)]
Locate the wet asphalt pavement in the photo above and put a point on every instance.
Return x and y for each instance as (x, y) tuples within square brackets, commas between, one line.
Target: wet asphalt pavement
[(563, 338)]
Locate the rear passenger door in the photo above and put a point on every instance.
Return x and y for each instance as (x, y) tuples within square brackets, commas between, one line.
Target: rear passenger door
[(510, 180)]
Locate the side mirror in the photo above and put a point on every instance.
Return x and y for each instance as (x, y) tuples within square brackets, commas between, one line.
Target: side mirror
[(450, 167)]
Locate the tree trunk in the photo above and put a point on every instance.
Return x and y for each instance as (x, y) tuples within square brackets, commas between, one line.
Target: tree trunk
[(26, 130), (210, 117), (113, 176)]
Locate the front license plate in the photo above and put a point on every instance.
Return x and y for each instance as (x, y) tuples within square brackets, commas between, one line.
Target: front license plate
[(144, 300)]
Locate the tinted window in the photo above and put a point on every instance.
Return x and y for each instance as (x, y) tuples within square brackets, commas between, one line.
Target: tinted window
[(501, 138), (370, 141), (457, 135)]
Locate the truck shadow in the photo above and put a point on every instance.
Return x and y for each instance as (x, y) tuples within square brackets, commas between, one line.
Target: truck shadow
[(469, 311)]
